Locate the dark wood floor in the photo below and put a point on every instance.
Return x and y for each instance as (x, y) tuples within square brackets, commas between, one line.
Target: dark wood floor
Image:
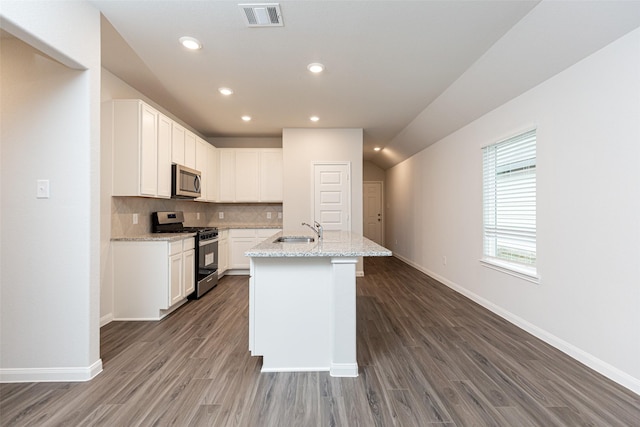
[(427, 355)]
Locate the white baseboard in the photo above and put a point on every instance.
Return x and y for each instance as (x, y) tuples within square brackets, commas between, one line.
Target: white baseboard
[(237, 272), (34, 375), (106, 319), (580, 355), (344, 370)]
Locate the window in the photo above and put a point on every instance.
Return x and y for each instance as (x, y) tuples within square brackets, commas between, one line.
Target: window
[(509, 205)]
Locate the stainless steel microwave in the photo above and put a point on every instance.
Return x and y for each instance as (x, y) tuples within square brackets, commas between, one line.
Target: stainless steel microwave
[(185, 182)]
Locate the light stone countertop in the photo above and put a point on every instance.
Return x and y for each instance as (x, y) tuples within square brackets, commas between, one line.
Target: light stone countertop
[(334, 244), (149, 237)]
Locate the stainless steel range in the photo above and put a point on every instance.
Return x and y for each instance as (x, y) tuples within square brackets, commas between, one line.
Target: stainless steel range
[(206, 246)]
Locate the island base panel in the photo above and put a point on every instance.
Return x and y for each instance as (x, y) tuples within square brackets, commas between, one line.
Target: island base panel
[(296, 324)]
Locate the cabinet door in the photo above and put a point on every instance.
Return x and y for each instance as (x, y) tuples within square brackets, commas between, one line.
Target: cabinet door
[(148, 151), (189, 149), (237, 247), (202, 164), (189, 275), (223, 256), (164, 156), (271, 169), (175, 278), (177, 144), (212, 184), (227, 175), (247, 176)]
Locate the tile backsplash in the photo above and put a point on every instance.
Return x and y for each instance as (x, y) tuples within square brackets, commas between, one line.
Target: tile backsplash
[(235, 214)]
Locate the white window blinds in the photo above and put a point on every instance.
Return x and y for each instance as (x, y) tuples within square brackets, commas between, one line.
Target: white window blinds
[(509, 200)]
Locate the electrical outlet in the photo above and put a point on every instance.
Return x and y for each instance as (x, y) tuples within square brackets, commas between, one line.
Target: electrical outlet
[(220, 215), (444, 260), (268, 215), (197, 215), (279, 215), (135, 218)]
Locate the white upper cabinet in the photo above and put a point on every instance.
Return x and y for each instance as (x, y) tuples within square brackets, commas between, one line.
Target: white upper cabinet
[(190, 150), (271, 170), (202, 164), (247, 176), (226, 175), (146, 142), (164, 156), (250, 175), (212, 177), (148, 153), (177, 144), (183, 146), (140, 147)]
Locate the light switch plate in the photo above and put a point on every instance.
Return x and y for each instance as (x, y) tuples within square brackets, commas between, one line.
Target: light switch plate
[(220, 215), (42, 191), (135, 218), (279, 215)]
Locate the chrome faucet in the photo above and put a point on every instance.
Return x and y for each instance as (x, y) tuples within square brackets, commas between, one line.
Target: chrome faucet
[(317, 229)]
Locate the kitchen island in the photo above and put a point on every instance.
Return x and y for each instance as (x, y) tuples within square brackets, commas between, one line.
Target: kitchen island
[(302, 302)]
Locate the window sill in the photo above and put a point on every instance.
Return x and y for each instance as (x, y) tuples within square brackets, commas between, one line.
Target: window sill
[(528, 274)]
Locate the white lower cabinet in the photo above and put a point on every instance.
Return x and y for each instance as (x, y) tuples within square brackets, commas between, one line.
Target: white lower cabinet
[(189, 274), (243, 239), (223, 252), (151, 278)]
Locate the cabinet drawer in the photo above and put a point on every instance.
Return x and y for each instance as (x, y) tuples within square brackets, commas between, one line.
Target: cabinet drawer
[(175, 247), (189, 243)]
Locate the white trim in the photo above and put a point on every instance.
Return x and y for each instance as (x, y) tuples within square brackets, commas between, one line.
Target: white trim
[(602, 367), (524, 273), (237, 272), (296, 369), (344, 370), (106, 319), (513, 134), (32, 375)]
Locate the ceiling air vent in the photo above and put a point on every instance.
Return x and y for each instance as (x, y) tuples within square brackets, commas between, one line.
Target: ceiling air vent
[(261, 14)]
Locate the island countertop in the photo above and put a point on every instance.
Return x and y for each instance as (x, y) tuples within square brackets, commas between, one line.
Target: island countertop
[(333, 244)]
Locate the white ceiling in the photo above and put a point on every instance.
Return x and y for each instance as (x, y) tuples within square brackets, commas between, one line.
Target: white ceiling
[(391, 66)]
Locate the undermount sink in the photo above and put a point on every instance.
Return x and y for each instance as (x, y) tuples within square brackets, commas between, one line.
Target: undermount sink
[(294, 239)]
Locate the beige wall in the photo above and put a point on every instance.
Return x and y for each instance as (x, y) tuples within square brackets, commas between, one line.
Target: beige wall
[(371, 172), (50, 264), (301, 147), (588, 202)]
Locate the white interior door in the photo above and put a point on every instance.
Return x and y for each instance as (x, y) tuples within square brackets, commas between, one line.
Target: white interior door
[(372, 209), (332, 195)]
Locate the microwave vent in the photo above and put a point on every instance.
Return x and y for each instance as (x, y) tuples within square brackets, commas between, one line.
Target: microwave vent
[(261, 14)]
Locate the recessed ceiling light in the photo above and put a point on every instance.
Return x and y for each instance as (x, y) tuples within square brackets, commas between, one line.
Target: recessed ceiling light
[(225, 91), (246, 118), (315, 67), (314, 118), (377, 149), (190, 43)]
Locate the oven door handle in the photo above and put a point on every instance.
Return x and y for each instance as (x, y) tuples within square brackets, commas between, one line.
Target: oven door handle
[(207, 242)]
